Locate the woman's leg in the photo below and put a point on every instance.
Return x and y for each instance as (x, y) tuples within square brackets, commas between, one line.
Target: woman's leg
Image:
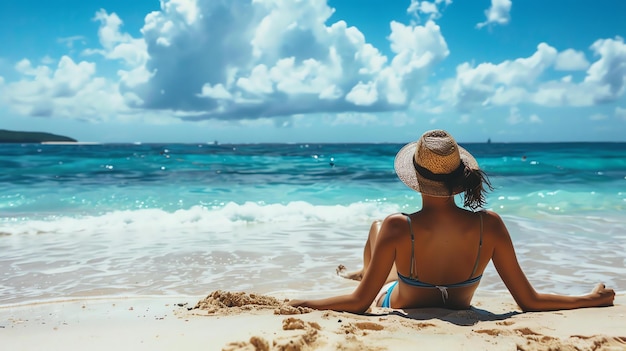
[(367, 256)]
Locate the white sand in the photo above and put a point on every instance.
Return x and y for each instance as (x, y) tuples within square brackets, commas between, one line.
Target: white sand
[(160, 324)]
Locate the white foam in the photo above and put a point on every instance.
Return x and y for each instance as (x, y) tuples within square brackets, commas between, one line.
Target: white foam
[(200, 217), (266, 248)]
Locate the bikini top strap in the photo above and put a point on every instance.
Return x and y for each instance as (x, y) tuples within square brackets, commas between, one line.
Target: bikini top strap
[(408, 219), (480, 244)]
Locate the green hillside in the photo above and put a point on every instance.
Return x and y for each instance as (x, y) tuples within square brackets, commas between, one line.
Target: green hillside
[(9, 136)]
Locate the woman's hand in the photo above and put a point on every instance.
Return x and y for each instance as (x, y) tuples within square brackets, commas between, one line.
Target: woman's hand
[(602, 296)]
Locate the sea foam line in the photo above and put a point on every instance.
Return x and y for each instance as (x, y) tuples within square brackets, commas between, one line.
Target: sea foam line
[(200, 217)]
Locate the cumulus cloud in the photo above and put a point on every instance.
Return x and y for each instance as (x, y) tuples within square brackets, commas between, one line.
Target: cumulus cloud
[(122, 47), (251, 59), (68, 90), (117, 45), (431, 9), (608, 74), (571, 60), (500, 84), (518, 81), (240, 59), (498, 13)]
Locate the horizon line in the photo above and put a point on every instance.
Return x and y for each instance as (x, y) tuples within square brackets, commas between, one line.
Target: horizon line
[(215, 143)]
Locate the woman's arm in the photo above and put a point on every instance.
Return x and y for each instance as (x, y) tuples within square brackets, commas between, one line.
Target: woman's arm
[(374, 277), (505, 262)]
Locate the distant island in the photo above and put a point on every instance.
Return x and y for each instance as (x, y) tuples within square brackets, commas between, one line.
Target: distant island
[(9, 136)]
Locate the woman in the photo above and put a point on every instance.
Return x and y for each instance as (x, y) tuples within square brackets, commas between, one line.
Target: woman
[(435, 257)]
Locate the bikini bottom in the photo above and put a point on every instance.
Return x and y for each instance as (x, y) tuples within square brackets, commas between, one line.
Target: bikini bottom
[(385, 292)]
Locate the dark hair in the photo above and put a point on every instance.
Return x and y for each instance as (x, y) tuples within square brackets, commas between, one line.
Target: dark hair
[(472, 182)]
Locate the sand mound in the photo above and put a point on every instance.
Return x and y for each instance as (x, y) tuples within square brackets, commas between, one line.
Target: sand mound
[(226, 302), (305, 340)]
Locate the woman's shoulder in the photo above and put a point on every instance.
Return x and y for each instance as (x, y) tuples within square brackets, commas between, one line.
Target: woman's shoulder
[(493, 223), (490, 215), (396, 223), (397, 218)]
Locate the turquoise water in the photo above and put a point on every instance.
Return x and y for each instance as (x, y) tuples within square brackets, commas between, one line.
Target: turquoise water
[(186, 219)]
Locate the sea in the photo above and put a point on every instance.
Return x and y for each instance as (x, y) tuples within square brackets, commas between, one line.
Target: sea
[(159, 220)]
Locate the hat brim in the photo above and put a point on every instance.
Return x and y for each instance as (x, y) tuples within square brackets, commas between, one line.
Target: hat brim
[(405, 170)]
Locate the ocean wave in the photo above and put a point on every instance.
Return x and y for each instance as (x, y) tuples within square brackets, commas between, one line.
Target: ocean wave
[(544, 205), (200, 217)]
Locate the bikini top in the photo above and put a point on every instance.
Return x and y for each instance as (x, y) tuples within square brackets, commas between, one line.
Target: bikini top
[(414, 281)]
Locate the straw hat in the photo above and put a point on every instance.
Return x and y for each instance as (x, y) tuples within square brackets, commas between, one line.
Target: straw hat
[(434, 160)]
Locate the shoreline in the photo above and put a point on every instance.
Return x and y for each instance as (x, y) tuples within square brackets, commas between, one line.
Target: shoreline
[(167, 323)]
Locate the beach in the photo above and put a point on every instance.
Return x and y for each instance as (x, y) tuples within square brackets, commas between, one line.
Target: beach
[(493, 323), (109, 246)]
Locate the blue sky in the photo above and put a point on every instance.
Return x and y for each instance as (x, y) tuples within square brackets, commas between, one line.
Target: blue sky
[(314, 70)]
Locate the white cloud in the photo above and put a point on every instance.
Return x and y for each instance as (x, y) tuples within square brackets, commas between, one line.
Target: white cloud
[(425, 7), (418, 49), (118, 45), (432, 9), (332, 92), (217, 92), (421, 46), (247, 59), (239, 59), (363, 94), (498, 13), (571, 60), (70, 90), (259, 82), (122, 47), (518, 81), (605, 80), (293, 78), (187, 9), (608, 74), (281, 56), (502, 83), (561, 93)]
